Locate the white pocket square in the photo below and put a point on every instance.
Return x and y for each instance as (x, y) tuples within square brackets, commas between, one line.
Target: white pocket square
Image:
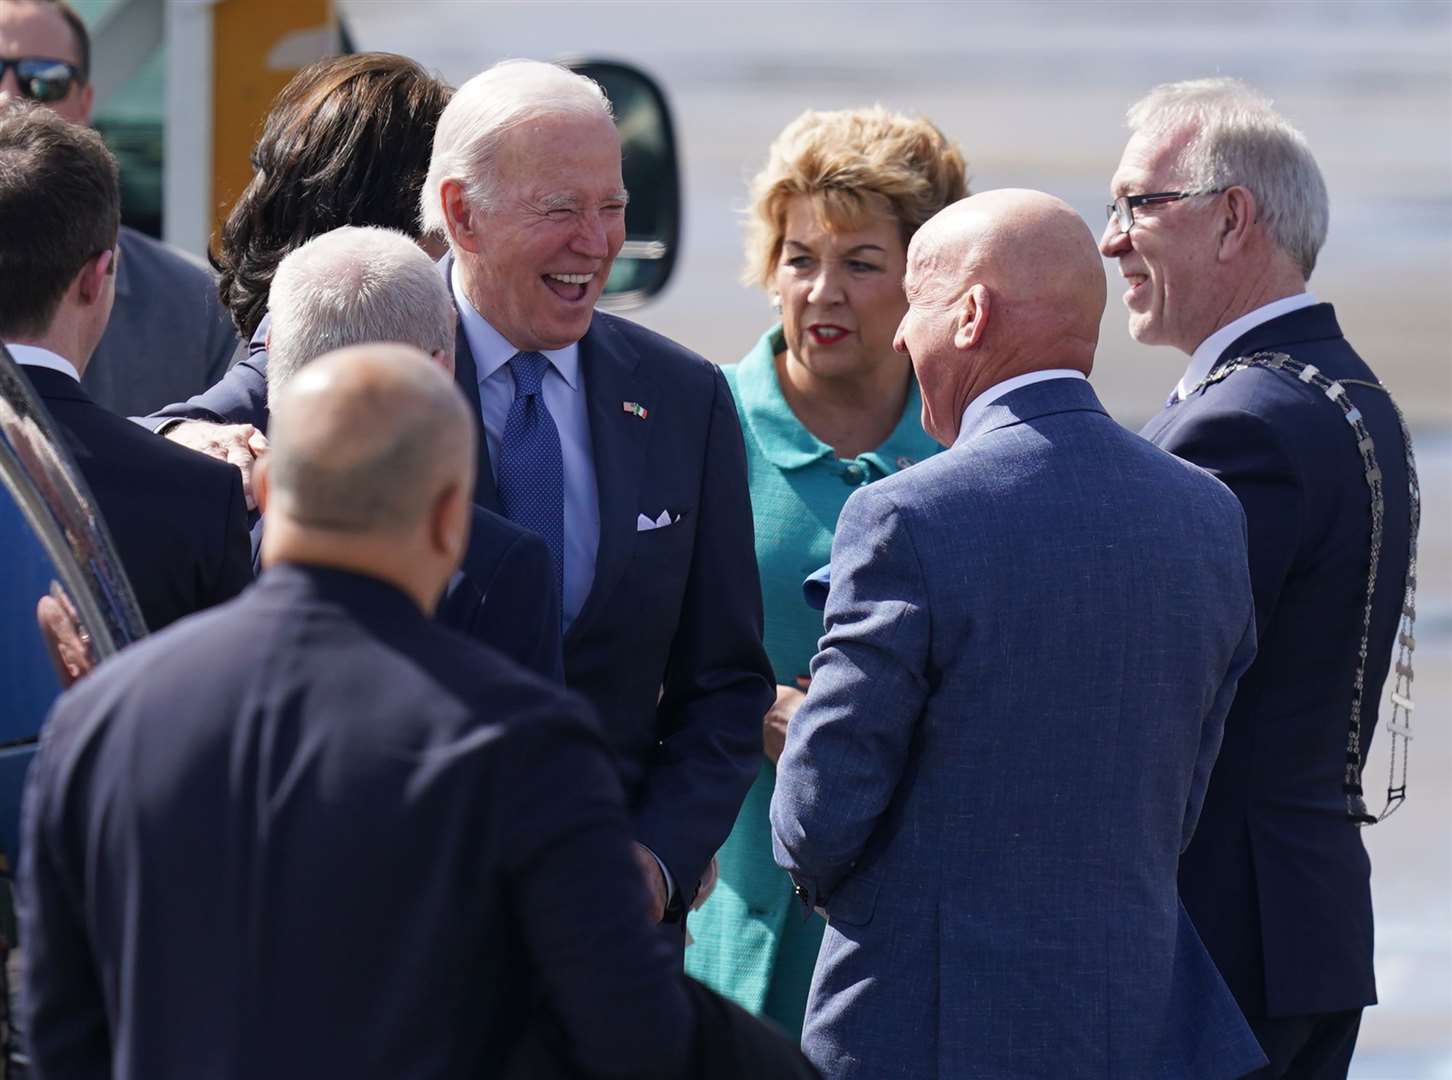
[(645, 524)]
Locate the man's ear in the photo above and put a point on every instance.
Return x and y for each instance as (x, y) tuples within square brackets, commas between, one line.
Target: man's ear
[(460, 218), (972, 319), (449, 521), (1237, 217), (445, 360), (260, 476), (91, 281)]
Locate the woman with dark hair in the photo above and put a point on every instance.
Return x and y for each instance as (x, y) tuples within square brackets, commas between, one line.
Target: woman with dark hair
[(347, 142)]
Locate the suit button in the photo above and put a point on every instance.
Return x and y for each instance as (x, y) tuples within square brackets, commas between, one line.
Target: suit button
[(852, 475)]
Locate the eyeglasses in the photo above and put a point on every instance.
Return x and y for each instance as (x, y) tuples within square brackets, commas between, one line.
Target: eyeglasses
[(1122, 208), (41, 78)]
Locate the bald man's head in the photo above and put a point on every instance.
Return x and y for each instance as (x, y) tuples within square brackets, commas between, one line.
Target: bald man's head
[(998, 285), (364, 440)]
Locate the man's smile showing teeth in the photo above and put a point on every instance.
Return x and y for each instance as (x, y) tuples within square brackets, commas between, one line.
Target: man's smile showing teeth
[(572, 287)]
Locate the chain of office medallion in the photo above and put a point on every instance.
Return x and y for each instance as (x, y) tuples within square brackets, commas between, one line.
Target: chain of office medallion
[(1400, 723)]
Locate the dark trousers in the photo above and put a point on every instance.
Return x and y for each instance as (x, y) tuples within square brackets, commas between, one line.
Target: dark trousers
[(1316, 1047)]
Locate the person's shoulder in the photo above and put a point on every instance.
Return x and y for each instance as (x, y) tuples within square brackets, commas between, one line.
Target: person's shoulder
[(494, 689), (153, 259), (95, 424), (493, 538), (664, 357), (193, 648)]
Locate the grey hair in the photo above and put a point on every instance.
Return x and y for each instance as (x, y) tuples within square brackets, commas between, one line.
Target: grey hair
[(364, 440), (350, 286), (489, 105), (1239, 139)]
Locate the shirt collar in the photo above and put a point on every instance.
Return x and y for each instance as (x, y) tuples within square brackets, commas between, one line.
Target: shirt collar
[(1209, 350), (978, 405), (492, 349), (37, 357), (785, 440)]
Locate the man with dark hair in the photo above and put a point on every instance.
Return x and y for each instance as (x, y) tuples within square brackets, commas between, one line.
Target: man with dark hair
[(169, 335), (177, 518)]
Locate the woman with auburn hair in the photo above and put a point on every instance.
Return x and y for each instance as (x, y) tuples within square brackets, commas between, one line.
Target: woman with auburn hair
[(826, 405)]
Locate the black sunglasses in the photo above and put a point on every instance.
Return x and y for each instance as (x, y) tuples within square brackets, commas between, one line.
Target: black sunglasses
[(41, 78), (1122, 209)]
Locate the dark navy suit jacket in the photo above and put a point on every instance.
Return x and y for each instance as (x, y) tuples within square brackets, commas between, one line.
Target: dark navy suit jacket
[(371, 848), (1277, 879), (1031, 644), (177, 517), (668, 645), (503, 593)]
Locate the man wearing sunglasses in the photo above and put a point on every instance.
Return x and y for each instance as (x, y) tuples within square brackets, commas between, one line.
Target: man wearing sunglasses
[(169, 336), (1219, 213)]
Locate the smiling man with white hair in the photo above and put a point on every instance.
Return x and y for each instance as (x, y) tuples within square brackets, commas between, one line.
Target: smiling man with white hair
[(353, 286), (1219, 213), (619, 447)]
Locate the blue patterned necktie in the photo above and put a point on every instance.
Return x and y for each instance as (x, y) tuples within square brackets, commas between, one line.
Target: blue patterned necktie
[(531, 470)]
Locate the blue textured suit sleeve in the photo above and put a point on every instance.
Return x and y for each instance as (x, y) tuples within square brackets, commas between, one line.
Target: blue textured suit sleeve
[(1212, 730), (847, 745), (718, 682), (63, 1009)]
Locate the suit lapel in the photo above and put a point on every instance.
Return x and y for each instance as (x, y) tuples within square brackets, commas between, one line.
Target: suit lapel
[(618, 441), (466, 374)]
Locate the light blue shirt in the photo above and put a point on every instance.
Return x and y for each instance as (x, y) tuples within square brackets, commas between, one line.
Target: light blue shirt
[(564, 396)]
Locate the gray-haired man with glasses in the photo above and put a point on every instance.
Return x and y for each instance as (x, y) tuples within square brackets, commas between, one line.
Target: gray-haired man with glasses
[(1219, 212)]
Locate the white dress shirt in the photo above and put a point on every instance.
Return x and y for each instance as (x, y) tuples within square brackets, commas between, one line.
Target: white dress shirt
[(34, 356), (997, 390), (1209, 350), (564, 396)]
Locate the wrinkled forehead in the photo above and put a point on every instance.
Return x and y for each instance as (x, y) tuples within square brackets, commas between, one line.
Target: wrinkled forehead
[(561, 149), (1150, 161)]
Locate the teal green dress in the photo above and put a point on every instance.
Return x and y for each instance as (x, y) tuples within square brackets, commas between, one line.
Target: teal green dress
[(751, 942)]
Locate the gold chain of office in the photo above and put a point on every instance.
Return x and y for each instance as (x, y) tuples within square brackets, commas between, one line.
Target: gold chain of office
[(1400, 723)]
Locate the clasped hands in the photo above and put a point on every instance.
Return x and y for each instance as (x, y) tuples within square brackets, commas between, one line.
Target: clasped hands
[(236, 444)]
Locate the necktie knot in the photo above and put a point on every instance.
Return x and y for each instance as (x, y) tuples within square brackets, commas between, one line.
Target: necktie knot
[(528, 369)]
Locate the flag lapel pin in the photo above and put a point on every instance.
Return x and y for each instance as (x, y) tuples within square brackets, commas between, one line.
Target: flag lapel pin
[(635, 408)]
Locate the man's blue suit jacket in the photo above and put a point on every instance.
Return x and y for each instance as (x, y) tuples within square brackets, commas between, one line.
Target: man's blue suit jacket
[(503, 593), (1277, 880), (668, 645), (313, 833), (1032, 642)]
